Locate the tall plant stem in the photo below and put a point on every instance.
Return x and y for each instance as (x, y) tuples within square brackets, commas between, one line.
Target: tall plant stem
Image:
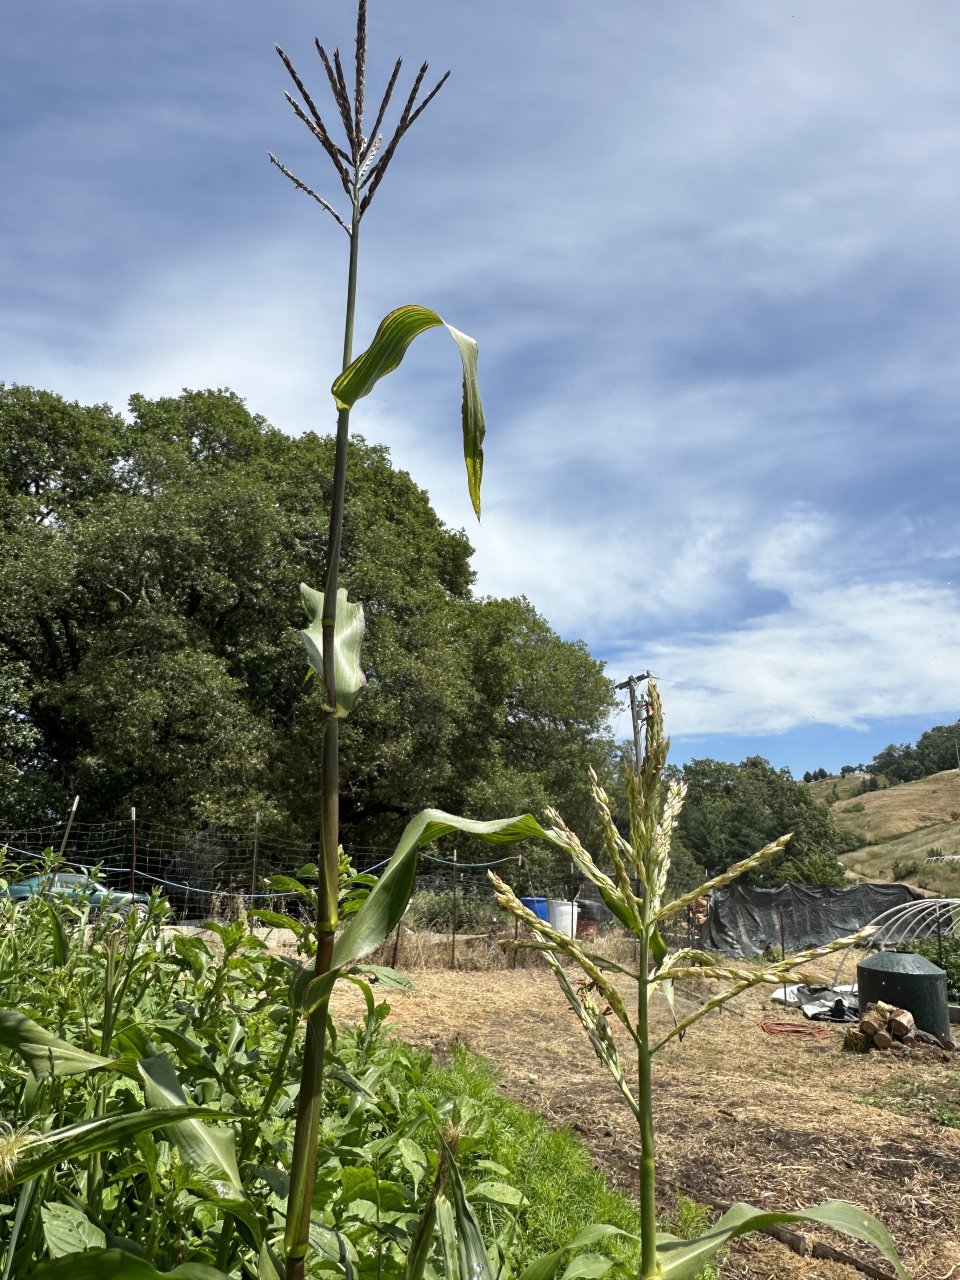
[(303, 1166), (648, 1171)]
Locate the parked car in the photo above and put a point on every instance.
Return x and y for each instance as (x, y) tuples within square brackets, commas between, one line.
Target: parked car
[(78, 888)]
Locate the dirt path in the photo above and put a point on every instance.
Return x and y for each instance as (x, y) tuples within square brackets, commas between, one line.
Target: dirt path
[(741, 1114)]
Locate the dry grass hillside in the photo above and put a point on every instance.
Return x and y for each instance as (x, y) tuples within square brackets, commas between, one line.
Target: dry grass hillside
[(833, 788), (904, 824), (896, 811)]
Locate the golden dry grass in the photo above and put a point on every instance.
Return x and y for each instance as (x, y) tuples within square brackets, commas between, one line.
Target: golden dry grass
[(897, 811)]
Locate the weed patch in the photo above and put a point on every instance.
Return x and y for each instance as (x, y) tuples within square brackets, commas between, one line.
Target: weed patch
[(936, 1101)]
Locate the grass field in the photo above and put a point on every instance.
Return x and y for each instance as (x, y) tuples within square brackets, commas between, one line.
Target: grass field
[(903, 824)]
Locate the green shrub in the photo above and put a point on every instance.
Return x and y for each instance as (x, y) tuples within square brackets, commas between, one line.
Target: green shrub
[(903, 870), (946, 954)]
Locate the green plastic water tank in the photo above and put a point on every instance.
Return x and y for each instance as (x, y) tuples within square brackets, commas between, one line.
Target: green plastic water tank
[(908, 982)]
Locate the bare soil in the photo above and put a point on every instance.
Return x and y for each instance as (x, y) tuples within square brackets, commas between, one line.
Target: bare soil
[(775, 1117)]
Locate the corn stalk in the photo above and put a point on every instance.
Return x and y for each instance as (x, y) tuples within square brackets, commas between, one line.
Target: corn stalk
[(333, 638), (635, 894)]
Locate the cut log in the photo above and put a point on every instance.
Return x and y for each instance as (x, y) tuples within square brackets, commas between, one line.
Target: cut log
[(909, 1041), (876, 1018), (883, 1040), (901, 1023)]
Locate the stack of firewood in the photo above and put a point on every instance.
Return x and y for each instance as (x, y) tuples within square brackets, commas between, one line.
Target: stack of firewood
[(884, 1025)]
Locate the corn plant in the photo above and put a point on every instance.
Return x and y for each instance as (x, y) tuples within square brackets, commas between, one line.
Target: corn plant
[(333, 638), (635, 893), (148, 1080)]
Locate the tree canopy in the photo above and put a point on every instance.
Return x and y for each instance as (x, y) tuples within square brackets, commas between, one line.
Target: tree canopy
[(935, 751), (149, 654), (732, 810)]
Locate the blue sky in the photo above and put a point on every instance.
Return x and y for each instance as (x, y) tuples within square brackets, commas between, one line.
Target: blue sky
[(710, 253)]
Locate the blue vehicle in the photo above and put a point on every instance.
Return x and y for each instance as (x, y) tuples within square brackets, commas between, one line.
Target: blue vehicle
[(79, 889)]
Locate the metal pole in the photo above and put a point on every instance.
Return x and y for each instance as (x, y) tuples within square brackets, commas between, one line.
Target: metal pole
[(66, 834), (453, 934), (256, 851), (133, 848), (783, 954)]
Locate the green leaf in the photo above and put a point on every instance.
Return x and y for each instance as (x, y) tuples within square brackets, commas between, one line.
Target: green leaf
[(43, 1052), (67, 1230), (268, 1267), (389, 346), (470, 1248), (588, 1266), (598, 1231), (414, 1160), (389, 896), (684, 1259), (199, 1144), (35, 1153), (498, 1193), (61, 943), (276, 920), (386, 977), (544, 1268), (113, 1264), (347, 640)]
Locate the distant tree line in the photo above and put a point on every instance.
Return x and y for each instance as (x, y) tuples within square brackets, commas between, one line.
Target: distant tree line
[(149, 573), (934, 751)]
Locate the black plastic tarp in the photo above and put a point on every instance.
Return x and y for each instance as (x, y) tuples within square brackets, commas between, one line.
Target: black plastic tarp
[(744, 921)]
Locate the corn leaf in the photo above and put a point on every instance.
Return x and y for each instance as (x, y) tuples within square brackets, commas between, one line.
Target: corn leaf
[(544, 1268), (43, 1052), (684, 1259), (588, 1266), (200, 1145), (389, 346), (388, 898), (113, 1264), (58, 932), (347, 641), (36, 1153)]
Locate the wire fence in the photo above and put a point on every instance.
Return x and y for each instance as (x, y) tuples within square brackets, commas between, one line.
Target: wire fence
[(214, 874)]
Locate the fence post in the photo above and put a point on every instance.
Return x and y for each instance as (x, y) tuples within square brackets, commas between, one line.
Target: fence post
[(66, 834), (133, 848), (256, 852), (453, 921)]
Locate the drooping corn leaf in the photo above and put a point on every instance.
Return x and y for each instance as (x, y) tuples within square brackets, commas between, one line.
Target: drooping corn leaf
[(684, 1259), (199, 1144), (43, 1052), (35, 1154), (388, 898), (397, 330), (347, 641), (113, 1264)]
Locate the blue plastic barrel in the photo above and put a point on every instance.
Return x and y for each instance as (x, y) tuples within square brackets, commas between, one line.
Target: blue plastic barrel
[(537, 905)]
